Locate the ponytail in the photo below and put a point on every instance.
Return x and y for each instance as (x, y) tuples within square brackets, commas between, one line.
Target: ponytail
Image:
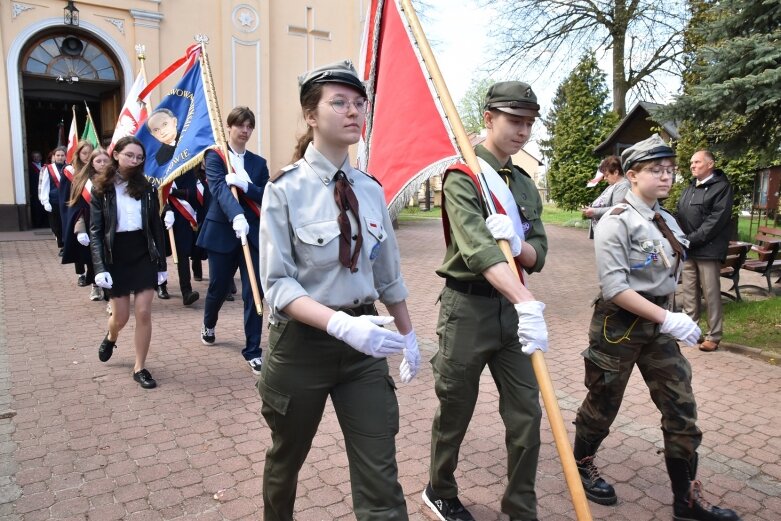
[(303, 143)]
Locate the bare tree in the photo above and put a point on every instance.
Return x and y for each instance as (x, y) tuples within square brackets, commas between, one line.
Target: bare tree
[(645, 38)]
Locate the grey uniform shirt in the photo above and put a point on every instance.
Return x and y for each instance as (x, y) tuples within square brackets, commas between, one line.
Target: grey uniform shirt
[(629, 250), (299, 245)]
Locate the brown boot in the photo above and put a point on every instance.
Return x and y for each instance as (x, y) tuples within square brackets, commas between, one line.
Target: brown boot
[(709, 345)]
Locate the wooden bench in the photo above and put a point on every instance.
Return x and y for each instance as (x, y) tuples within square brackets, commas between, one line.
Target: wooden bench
[(730, 268), (766, 245)]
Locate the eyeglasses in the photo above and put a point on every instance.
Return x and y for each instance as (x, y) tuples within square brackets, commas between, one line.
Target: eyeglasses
[(132, 157), (342, 106), (657, 171)]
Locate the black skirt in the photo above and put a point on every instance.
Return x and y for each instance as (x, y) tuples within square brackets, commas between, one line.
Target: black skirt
[(133, 269)]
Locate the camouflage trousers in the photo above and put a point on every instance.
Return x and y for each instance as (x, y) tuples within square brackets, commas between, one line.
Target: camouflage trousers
[(619, 340)]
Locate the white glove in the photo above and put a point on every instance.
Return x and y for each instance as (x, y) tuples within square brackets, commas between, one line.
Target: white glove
[(364, 334), (241, 227), (501, 227), (411, 363), (682, 327), (168, 219), (162, 276), (532, 331), (103, 279), (234, 179), (47, 206), (83, 238)]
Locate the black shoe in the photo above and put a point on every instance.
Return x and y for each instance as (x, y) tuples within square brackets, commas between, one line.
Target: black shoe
[(197, 278), (230, 298), (82, 280), (446, 509), (144, 379), (190, 297), (106, 349), (207, 335), (694, 508), (162, 292), (61, 252), (256, 364), (597, 489)]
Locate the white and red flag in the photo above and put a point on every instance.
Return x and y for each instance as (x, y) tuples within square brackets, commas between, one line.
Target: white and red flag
[(407, 138), (134, 111), (73, 139)]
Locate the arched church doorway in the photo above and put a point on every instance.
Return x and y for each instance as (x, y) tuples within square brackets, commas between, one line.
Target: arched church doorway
[(60, 69)]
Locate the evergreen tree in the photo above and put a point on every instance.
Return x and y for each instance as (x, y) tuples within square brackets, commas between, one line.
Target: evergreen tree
[(733, 93), (579, 121), (717, 131)]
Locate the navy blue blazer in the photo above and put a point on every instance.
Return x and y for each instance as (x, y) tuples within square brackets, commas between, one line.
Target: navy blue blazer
[(217, 233)]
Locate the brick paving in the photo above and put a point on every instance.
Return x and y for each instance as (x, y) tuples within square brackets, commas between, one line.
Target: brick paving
[(86, 442)]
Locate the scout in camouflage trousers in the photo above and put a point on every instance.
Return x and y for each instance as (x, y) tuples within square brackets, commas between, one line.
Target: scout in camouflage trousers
[(639, 251)]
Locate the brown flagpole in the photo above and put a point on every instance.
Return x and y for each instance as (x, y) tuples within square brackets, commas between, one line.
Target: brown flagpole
[(216, 121), (538, 360)]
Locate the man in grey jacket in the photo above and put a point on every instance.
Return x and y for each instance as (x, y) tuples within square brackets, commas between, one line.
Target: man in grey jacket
[(704, 213)]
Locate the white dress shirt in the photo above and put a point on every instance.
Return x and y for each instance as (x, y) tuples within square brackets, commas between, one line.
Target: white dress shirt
[(128, 210)]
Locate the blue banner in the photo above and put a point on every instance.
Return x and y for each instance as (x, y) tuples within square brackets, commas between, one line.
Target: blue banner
[(178, 131)]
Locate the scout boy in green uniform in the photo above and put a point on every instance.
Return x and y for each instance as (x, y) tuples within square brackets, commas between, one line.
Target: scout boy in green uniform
[(487, 316)]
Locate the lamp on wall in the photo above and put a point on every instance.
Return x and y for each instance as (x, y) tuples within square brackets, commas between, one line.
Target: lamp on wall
[(70, 14)]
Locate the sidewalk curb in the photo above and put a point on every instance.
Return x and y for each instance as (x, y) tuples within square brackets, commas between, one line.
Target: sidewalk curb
[(753, 352)]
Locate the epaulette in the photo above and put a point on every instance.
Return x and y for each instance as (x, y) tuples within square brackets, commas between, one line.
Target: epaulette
[(521, 171), (618, 210), (367, 174), (283, 171)]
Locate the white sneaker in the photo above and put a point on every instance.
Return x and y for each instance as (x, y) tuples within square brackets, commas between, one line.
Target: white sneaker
[(207, 335), (256, 364), (96, 294)]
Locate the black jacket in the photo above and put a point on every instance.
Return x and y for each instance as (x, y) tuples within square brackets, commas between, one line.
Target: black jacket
[(704, 214), (103, 226)]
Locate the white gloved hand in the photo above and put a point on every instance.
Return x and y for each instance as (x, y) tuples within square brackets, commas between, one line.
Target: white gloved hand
[(162, 276), (532, 331), (103, 279), (168, 219), (83, 238), (364, 334), (501, 227), (47, 206), (234, 179), (682, 327), (411, 363), (240, 226)]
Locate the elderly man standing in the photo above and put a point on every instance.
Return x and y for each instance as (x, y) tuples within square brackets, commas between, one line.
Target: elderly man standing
[(704, 212)]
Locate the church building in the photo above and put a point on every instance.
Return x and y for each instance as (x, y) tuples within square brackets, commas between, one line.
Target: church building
[(57, 54)]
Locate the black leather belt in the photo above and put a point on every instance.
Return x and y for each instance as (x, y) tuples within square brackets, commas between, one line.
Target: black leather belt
[(357, 311), (481, 289)]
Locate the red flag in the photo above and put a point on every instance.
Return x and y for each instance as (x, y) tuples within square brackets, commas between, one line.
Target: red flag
[(407, 137), (73, 139), (133, 111)]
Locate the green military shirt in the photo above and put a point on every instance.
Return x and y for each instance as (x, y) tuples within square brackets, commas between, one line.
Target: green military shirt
[(472, 248)]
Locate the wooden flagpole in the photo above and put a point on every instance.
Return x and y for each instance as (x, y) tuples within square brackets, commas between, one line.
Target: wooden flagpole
[(216, 120), (538, 360), (141, 55)]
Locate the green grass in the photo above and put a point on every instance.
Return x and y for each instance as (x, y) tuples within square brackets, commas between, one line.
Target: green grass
[(755, 324), (552, 214), (414, 213)]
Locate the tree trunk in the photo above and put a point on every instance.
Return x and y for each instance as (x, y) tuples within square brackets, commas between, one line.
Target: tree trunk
[(618, 33)]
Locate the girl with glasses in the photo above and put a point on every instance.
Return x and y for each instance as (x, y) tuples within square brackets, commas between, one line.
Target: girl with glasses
[(128, 252), (327, 253)]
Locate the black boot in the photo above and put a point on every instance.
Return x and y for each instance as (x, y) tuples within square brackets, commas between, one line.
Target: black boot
[(687, 503), (162, 291), (189, 296), (597, 489)]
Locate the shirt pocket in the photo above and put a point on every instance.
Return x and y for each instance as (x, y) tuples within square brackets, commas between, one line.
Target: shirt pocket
[(317, 243), (375, 235)]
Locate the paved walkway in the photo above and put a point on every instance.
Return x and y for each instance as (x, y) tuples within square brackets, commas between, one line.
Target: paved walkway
[(87, 442)]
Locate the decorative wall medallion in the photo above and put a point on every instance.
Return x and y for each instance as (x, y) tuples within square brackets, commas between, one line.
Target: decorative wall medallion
[(245, 18), (17, 9), (118, 23)]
